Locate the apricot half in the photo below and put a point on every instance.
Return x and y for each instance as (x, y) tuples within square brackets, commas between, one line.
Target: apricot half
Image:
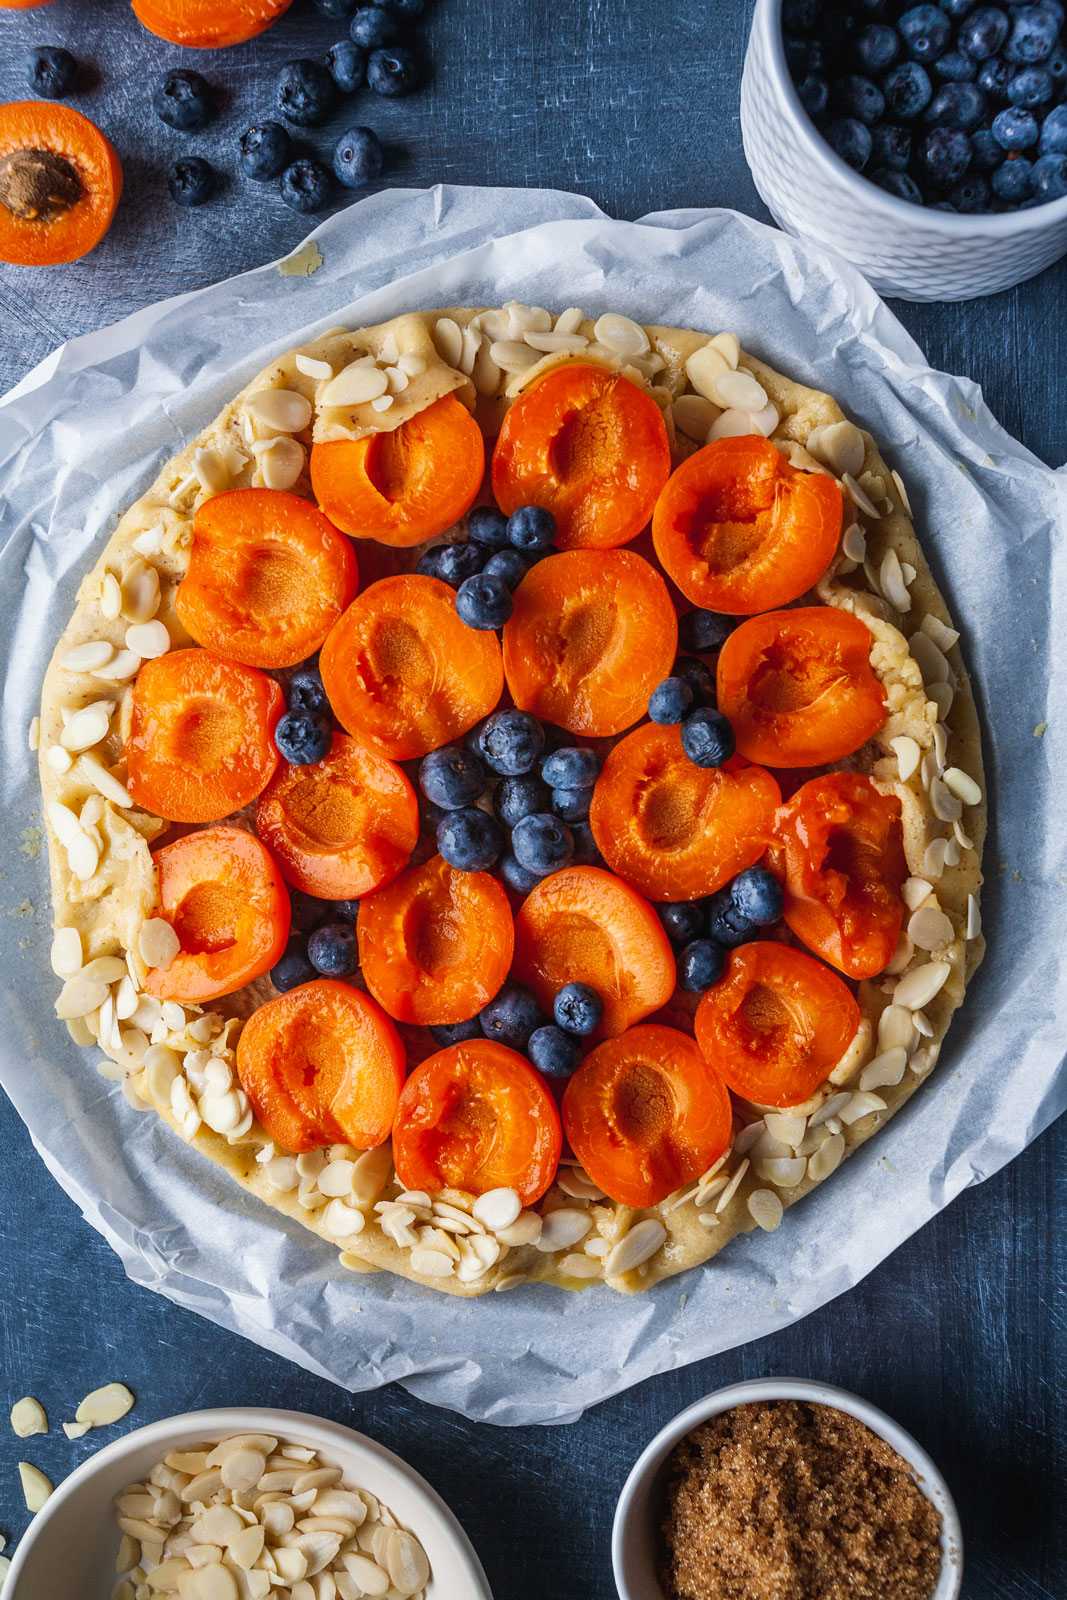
[(208, 24), (60, 182)]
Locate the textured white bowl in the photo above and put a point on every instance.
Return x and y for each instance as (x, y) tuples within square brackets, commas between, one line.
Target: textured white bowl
[(911, 251), (635, 1535), (69, 1551)]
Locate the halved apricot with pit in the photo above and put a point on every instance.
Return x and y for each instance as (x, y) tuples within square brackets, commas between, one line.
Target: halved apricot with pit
[(798, 687), (476, 1117), (435, 945), (645, 1113), (405, 486), (674, 830), (777, 1025), (740, 530), (592, 634), (208, 24), (402, 670), (224, 897), (201, 742), (341, 827), (268, 577), (589, 446), (584, 924), (60, 182), (320, 1065)]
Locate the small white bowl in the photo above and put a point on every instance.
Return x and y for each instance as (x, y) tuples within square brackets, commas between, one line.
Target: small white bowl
[(635, 1534), (911, 251), (69, 1550)]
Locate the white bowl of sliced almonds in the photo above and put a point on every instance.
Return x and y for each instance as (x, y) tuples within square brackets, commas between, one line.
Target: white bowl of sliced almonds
[(241, 1504)]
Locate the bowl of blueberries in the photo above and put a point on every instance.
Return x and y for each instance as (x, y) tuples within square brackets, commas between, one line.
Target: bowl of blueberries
[(926, 143)]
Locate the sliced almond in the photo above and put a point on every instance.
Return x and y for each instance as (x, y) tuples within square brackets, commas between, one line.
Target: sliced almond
[(105, 1405), (87, 657), (28, 1417), (157, 943), (283, 409), (311, 367), (354, 386), (635, 1247), (621, 334), (88, 726), (765, 1208), (704, 367), (739, 390), (36, 1488)]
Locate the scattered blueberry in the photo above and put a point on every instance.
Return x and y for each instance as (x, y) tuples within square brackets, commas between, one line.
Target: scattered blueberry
[(334, 951), (1050, 177), (452, 777), (484, 602), (306, 692), (669, 701), (306, 185), (373, 27), (856, 96), (303, 738), (1054, 132), (1015, 129), (516, 877), (511, 742), (877, 46), (901, 184), (470, 839), (306, 93), (683, 920), (578, 1009), (994, 78), (956, 105), (512, 1016), (191, 181), (1032, 88), (954, 67), (692, 671), (183, 100), (394, 70), (925, 30), (945, 155), (446, 1033), (757, 894), (52, 72), (571, 767), (542, 843), (507, 565), (726, 924), (357, 158), (701, 964), (707, 738), (851, 140), (452, 563), (571, 805), (293, 968), (553, 1052), (701, 632), (531, 528), (522, 796), (266, 150), (488, 527), (1034, 35), (983, 32), (907, 89), (345, 910), (306, 912), (346, 63)]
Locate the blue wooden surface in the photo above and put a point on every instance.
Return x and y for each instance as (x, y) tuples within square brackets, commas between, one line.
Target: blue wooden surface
[(961, 1333)]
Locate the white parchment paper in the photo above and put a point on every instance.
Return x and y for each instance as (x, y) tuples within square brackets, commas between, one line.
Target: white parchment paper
[(84, 434)]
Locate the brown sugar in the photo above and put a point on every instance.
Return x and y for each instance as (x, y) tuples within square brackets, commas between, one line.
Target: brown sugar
[(787, 1501)]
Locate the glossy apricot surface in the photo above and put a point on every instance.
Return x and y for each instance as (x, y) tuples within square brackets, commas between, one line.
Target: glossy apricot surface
[(208, 24), (60, 181)]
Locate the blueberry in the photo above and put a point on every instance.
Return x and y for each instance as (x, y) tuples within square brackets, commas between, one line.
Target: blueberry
[(954, 67), (303, 738), (669, 701), (683, 920), (956, 105), (336, 10), (578, 1009), (804, 55), (488, 527), (409, 9), (306, 911), (306, 692), (470, 839), (726, 924), (372, 27), (891, 147), (985, 151), (334, 951), (430, 815), (970, 194), (542, 843), (700, 965), (983, 32), (306, 93), (357, 158), (191, 181), (511, 1016), (531, 528), (994, 78), (345, 910), (692, 671), (701, 632), (814, 93), (851, 140), (956, 8), (571, 767), (945, 155), (877, 46), (554, 1052), (707, 738), (1054, 132), (515, 798), (516, 877), (1050, 177), (1035, 32), (507, 565), (1015, 129), (306, 185), (452, 563), (1056, 67), (571, 805), (446, 1033), (907, 89), (511, 742), (394, 70), (1011, 180), (266, 151), (346, 62), (52, 72), (1032, 88), (452, 777), (925, 31), (855, 96), (484, 602), (586, 853), (183, 100), (799, 16), (901, 184), (293, 967), (757, 894)]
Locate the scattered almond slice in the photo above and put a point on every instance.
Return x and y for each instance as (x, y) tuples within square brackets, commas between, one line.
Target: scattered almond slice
[(36, 1488), (28, 1417), (76, 1430), (105, 1405)]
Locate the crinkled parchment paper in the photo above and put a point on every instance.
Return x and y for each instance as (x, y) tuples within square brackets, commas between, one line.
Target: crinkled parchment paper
[(84, 434)]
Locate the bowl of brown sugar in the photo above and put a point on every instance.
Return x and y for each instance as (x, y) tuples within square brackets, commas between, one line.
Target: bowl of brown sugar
[(786, 1489)]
